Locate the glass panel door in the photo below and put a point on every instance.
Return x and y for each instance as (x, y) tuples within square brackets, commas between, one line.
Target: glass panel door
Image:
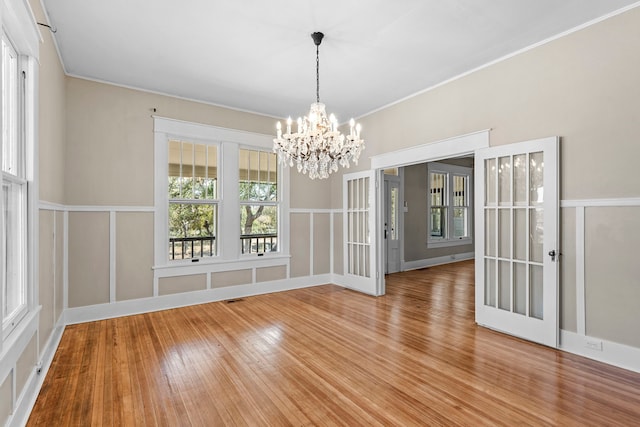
[(516, 214), (359, 202)]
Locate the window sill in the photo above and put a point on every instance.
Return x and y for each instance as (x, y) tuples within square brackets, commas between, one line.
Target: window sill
[(215, 265), (432, 244)]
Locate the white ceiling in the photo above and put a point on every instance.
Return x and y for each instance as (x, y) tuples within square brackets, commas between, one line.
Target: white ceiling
[(258, 55)]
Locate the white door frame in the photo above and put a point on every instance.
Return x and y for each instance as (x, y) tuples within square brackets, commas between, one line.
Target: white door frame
[(459, 146)]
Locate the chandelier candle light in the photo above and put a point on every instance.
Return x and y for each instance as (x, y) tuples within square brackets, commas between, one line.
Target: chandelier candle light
[(317, 146)]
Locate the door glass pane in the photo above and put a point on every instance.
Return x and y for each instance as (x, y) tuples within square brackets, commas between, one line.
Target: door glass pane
[(520, 288), (490, 181), (504, 283), (365, 193), (504, 223), (520, 179), (490, 282), (536, 297), (367, 236), (520, 234), (490, 232), (504, 181), (536, 234), (536, 175)]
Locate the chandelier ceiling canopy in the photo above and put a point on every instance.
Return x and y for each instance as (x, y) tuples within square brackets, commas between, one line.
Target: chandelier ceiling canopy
[(317, 147)]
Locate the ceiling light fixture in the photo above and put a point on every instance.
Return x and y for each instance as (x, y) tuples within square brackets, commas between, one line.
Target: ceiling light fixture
[(318, 146)]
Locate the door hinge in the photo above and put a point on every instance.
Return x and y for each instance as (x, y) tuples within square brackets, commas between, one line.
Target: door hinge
[(377, 274)]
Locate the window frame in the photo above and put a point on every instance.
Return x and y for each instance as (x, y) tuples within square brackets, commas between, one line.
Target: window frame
[(19, 30), (230, 141), (276, 203), (199, 201), (450, 171)]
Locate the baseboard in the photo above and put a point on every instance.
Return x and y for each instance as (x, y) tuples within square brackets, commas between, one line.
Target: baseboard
[(30, 392), (620, 355), (165, 302), (430, 262)]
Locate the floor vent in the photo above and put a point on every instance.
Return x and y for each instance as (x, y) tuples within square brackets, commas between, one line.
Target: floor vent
[(231, 301)]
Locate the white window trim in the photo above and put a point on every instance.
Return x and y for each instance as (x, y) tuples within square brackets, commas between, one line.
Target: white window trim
[(230, 141), (450, 170)]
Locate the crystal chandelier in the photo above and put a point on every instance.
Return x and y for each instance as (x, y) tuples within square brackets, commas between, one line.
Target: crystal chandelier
[(317, 147)]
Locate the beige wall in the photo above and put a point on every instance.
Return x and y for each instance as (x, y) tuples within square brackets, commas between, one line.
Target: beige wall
[(321, 243), (109, 149), (26, 364), (568, 303), (47, 284), (134, 255), (88, 258), (174, 285), (338, 261), (51, 116), (300, 226), (230, 278), (582, 87), (612, 273), (267, 274)]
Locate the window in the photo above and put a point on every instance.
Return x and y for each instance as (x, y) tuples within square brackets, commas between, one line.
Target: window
[(449, 205), (14, 191), (219, 198), (258, 190), (193, 199)]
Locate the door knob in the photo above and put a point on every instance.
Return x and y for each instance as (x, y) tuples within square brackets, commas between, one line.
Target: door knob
[(552, 254)]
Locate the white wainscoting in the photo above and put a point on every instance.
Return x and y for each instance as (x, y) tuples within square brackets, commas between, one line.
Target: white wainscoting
[(578, 342)]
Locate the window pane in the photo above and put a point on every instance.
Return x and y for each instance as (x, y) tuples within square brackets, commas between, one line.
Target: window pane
[(258, 182), (13, 284), (259, 228), (460, 185), (192, 230), (437, 188), (10, 143), (460, 222), (438, 218), (192, 170)]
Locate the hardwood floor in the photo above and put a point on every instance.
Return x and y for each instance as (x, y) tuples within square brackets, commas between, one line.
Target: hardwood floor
[(327, 356)]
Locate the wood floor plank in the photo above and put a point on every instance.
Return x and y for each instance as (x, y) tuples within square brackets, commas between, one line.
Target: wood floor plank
[(328, 356)]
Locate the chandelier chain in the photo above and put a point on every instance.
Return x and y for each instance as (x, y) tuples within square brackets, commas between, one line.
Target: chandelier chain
[(317, 73)]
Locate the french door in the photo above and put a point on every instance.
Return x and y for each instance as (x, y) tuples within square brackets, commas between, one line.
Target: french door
[(359, 227), (517, 239)]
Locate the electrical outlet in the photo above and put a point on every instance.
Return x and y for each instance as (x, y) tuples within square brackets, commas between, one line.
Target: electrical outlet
[(593, 344)]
